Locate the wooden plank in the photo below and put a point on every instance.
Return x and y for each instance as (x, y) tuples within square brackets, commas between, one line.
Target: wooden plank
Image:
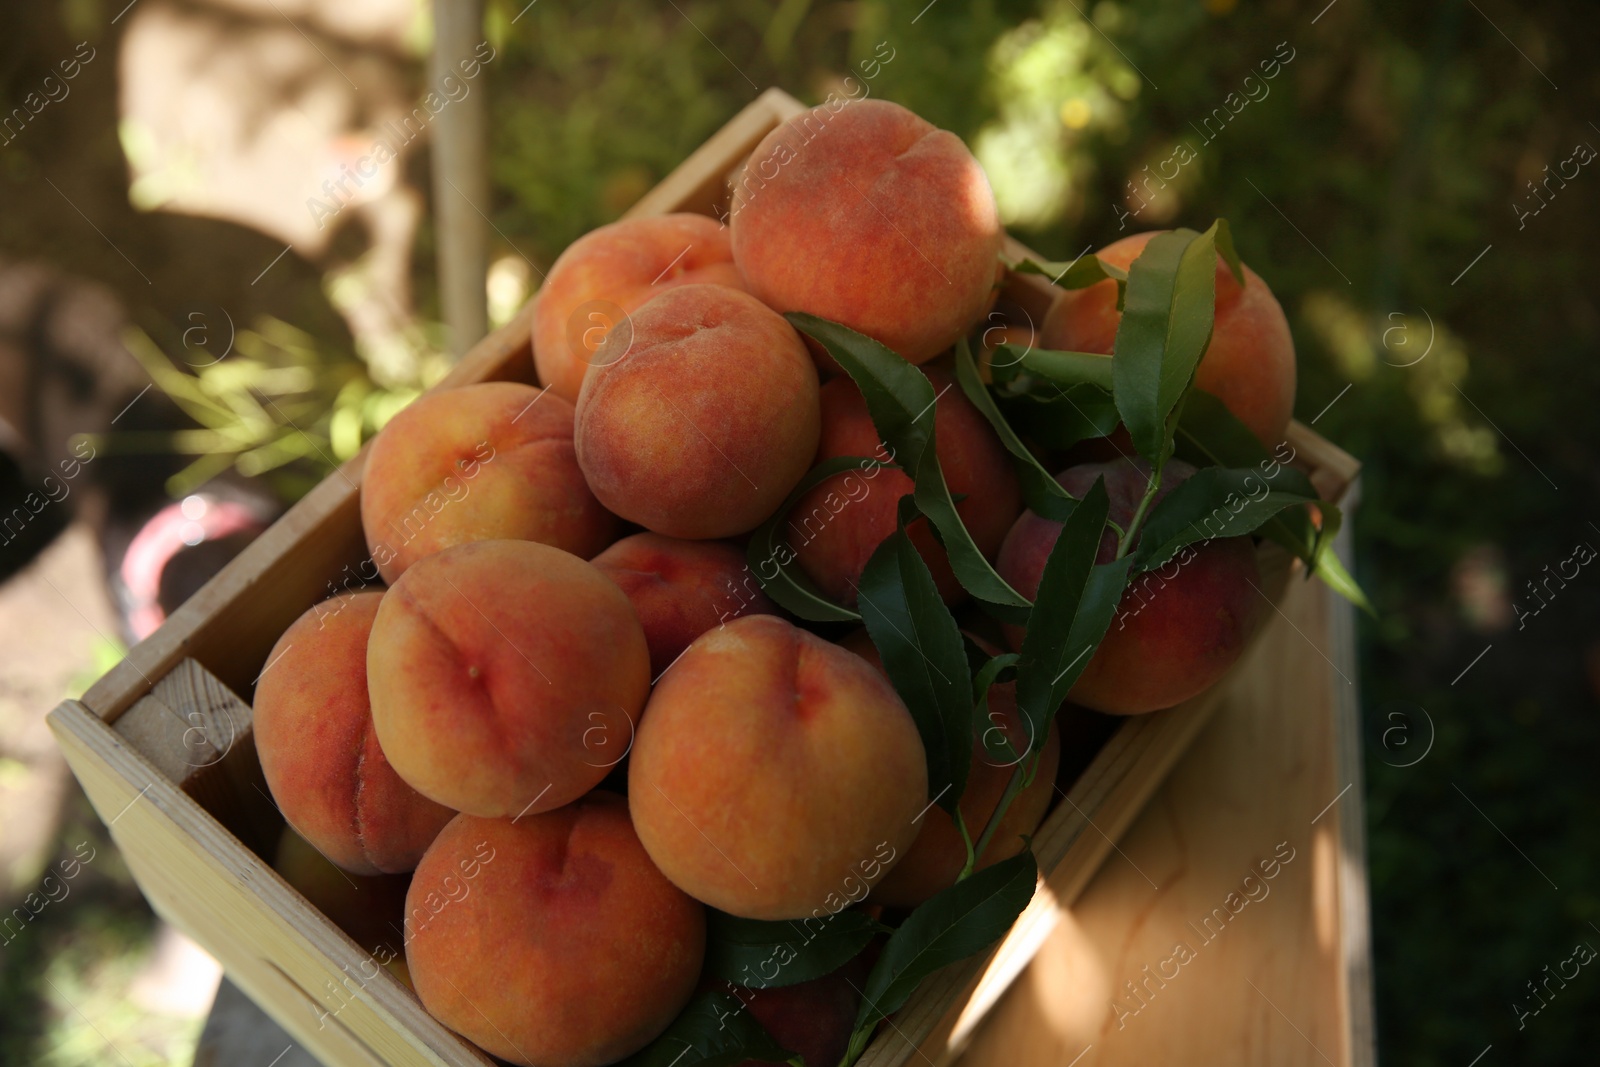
[(200, 736), (1263, 772), (941, 1015), (189, 721), (1355, 920), (320, 985)]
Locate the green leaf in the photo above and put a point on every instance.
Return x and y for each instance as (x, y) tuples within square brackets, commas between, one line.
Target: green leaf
[(994, 740), (1071, 612), (1097, 607), (1059, 418), (977, 655), (1331, 571), (990, 674), (898, 397), (1080, 273), (1295, 531), (1324, 563), (1208, 433), (1163, 332), (715, 1030), (1225, 249), (1065, 368), (1041, 491), (766, 955), (1217, 502), (920, 645), (958, 922), (771, 558), (971, 568)]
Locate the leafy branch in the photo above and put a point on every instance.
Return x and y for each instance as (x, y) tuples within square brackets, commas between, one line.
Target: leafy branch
[(1168, 298)]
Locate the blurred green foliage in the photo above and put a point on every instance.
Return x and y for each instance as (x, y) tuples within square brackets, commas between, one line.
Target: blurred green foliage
[(1362, 179), (285, 407)]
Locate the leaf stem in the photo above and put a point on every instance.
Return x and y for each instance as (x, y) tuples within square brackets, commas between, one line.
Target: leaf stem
[(858, 1044), (1019, 777), (1125, 538), (966, 839)]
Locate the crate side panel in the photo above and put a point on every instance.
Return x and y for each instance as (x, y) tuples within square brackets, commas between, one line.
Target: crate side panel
[(207, 882), (1071, 844)]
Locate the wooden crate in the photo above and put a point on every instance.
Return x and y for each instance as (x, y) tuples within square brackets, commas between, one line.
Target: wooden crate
[(162, 746)]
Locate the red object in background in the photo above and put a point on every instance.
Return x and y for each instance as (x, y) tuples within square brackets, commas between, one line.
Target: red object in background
[(203, 529)]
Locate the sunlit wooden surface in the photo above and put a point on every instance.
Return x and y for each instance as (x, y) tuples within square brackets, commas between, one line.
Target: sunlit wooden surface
[(1286, 980)]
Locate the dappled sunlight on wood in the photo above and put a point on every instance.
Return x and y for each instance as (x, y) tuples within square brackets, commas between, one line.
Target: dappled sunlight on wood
[(1214, 932)]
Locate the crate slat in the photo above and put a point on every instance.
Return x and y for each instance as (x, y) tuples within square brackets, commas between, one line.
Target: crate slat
[(201, 737), (283, 952)]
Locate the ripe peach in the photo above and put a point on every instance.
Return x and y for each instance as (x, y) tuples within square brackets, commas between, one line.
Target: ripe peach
[(319, 751), (610, 272), (476, 463), (505, 676), (551, 939), (700, 419), (1250, 364), (681, 589), (835, 528), (775, 774), (370, 908), (934, 861), (872, 217), (814, 1018), (1177, 629)]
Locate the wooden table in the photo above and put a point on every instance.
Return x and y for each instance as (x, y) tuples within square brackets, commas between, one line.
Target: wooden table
[(1277, 974), (1284, 982)]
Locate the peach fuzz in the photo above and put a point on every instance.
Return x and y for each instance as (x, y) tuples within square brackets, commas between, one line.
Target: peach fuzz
[(506, 677), (870, 216), (478, 463), (1250, 364), (935, 859), (1177, 629), (319, 750), (775, 775), (680, 589), (552, 939), (699, 420), (835, 527), (613, 270)]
